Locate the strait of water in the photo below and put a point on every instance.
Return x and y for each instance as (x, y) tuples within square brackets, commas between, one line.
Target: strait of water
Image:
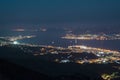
[(54, 38)]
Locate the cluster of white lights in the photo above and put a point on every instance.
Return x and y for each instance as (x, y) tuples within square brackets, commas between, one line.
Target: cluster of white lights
[(15, 42)]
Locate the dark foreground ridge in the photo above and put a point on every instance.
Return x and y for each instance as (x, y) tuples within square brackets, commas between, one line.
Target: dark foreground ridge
[(10, 71)]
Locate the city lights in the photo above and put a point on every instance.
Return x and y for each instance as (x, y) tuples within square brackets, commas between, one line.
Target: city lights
[(92, 36), (15, 42)]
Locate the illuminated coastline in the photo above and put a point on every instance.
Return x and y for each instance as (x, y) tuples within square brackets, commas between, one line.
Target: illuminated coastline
[(14, 38), (92, 36), (77, 53)]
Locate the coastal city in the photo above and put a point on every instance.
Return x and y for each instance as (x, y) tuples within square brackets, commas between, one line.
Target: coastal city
[(80, 54), (59, 39), (76, 54), (102, 36), (14, 38)]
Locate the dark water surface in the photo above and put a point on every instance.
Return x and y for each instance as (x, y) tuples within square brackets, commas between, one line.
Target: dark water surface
[(53, 37)]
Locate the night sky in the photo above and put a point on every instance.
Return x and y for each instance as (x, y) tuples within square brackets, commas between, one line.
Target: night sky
[(59, 11)]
